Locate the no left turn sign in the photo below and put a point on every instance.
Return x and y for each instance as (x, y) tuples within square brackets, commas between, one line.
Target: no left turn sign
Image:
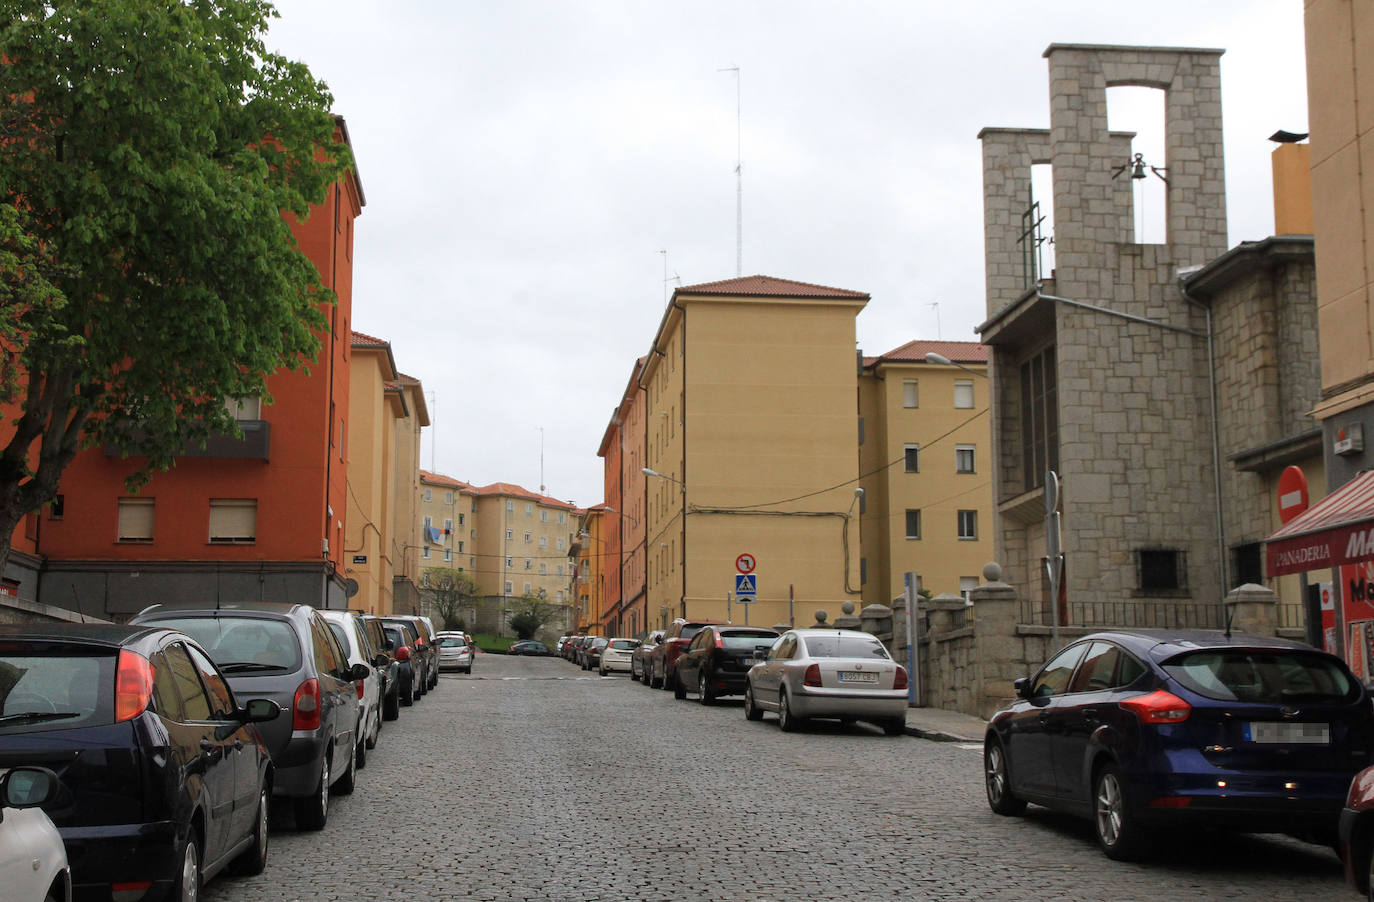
[(745, 563)]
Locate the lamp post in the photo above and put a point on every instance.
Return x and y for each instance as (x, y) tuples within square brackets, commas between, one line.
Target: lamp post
[(650, 472)]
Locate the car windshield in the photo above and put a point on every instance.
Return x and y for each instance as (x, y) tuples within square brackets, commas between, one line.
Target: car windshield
[(624, 644), (598, 643), (65, 688), (690, 631), (243, 644), (844, 647), (453, 642), (747, 641), (1265, 676)]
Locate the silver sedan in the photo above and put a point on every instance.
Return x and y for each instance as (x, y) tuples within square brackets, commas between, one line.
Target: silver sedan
[(843, 675)]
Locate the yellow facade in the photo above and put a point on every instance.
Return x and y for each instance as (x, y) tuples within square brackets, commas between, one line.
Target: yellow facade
[(383, 461), (751, 420), (523, 543), (446, 504), (590, 587), (926, 458), (404, 537)]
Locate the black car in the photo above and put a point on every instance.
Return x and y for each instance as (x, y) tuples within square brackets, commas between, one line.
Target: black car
[(529, 647), (401, 637), (424, 650), (718, 659), (285, 652), (1142, 730), (590, 655), (166, 777), (388, 669)]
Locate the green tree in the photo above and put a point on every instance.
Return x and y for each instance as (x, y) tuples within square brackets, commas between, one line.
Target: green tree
[(450, 591), (151, 152), (528, 614)]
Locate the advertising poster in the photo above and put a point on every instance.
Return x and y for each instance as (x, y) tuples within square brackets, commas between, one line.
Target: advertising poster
[(1357, 603), (1328, 599)]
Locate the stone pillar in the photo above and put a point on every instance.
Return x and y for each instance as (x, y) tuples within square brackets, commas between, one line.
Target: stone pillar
[(847, 620), (999, 652), (941, 608), (1252, 610), (877, 619)]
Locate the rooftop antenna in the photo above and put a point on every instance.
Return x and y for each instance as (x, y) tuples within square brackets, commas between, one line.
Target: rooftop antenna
[(938, 335), (433, 406), (541, 460), (665, 275), (739, 179)]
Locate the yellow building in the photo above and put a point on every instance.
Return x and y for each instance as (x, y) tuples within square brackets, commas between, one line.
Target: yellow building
[(924, 452), (386, 412), (593, 565), (750, 428), (523, 543), (404, 537), (447, 527)]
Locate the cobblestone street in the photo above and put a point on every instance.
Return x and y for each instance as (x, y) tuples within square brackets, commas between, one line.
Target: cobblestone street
[(531, 779)]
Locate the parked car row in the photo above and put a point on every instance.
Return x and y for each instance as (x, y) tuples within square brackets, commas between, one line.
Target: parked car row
[(155, 748), (843, 675)]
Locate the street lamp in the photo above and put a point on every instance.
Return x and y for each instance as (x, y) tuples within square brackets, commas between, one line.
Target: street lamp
[(942, 360), (649, 472)]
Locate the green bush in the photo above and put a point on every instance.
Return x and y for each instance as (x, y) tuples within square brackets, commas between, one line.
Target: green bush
[(492, 644)]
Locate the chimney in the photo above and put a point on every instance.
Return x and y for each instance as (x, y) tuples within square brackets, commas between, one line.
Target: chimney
[(1292, 184)]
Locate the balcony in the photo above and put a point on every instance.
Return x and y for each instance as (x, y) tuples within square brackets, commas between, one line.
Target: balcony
[(255, 444)]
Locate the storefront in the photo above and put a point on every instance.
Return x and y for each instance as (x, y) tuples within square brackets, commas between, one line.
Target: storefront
[(1336, 536)]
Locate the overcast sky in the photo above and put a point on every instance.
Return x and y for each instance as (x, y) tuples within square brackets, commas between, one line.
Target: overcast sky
[(525, 164)]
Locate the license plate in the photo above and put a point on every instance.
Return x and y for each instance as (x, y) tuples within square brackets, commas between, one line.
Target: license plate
[(1291, 733), (852, 676)]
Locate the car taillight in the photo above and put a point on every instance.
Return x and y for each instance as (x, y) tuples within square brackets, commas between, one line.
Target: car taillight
[(899, 681), (720, 641), (403, 653), (813, 676), (305, 707), (1158, 707), (133, 685), (360, 690)]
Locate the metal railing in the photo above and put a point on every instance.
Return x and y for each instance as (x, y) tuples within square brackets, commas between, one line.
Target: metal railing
[(1135, 614)]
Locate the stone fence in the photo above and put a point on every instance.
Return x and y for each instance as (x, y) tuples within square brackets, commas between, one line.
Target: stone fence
[(970, 652)]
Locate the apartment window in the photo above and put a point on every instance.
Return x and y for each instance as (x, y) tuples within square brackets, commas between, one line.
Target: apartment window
[(1247, 564), (510, 587), (529, 510), (424, 552), (543, 569), (342, 443), (461, 519), (528, 588), (964, 459), (863, 571), (429, 521), (966, 585), (448, 497), (527, 563), (233, 520), (559, 597), (55, 507), (460, 547), (911, 458), (1039, 418), (963, 393), (429, 494), (135, 520), (510, 534), (968, 525), (529, 537), (510, 562), (448, 526), (910, 397), (543, 516), (472, 561), (1160, 569), (562, 518), (913, 524), (448, 554), (543, 541), (510, 506), (560, 569), (249, 408)]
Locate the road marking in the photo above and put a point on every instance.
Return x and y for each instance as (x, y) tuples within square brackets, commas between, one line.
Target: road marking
[(973, 747)]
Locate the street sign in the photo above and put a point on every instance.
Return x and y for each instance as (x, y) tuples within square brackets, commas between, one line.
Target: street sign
[(1293, 498), (745, 563), (746, 587)]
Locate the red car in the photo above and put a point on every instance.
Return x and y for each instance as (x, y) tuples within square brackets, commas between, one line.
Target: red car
[(663, 660), (1357, 832)]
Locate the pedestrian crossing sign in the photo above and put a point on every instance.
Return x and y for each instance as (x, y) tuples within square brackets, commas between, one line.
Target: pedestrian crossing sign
[(746, 584)]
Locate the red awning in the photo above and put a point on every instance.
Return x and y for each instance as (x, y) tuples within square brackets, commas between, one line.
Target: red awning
[(1339, 529)]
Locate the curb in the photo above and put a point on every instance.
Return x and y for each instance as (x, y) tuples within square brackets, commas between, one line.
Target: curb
[(936, 735)]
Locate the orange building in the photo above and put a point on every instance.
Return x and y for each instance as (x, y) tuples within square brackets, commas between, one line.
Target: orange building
[(257, 517), (622, 450)]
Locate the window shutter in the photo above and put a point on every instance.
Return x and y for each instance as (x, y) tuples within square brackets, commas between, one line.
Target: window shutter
[(135, 519), (233, 520)]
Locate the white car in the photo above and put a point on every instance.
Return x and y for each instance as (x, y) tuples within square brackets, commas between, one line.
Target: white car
[(843, 675), (617, 655), (352, 635), (455, 652), (33, 861)]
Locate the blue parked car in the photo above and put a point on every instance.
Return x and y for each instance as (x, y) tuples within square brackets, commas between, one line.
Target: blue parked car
[(1139, 730)]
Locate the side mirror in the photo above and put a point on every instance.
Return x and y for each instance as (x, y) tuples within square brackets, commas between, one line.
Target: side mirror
[(359, 671), (1022, 687), (28, 787), (380, 661), (260, 710)]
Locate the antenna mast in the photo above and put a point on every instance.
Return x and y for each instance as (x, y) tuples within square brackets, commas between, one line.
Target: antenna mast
[(433, 406), (739, 178), (541, 460)]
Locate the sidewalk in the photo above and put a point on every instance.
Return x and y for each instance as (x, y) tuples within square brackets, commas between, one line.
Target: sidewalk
[(944, 726)]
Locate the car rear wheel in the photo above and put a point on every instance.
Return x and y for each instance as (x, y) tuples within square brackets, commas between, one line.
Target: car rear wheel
[(253, 860), (376, 733), (360, 753), (751, 710), (997, 781), (188, 882), (787, 721), (313, 810), (704, 690), (350, 775), (1118, 833), (1369, 876), (391, 705)]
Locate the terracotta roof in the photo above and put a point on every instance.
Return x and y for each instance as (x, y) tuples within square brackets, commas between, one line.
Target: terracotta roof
[(367, 341), (767, 286), (512, 490), (449, 481), (915, 352)]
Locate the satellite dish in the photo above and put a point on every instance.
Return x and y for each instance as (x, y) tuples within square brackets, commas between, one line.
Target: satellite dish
[(350, 587)]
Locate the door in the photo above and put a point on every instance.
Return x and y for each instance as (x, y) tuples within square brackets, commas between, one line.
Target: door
[(338, 697), (244, 751), (1087, 706), (768, 678), (1031, 727), (209, 755)]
